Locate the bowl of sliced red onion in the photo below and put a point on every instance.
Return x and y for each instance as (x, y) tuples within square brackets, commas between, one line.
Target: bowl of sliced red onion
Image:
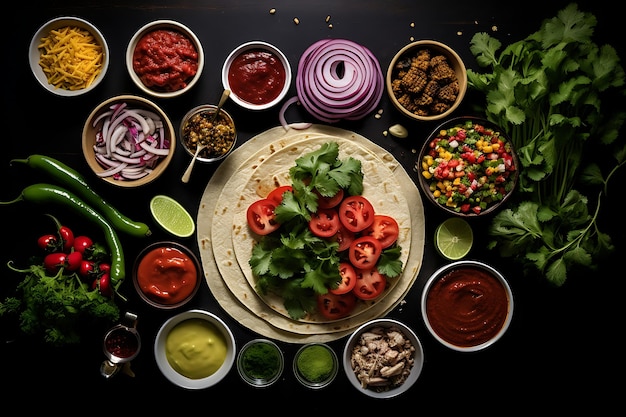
[(128, 141)]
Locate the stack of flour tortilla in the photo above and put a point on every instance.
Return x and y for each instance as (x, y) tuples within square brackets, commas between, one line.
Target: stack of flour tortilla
[(251, 172)]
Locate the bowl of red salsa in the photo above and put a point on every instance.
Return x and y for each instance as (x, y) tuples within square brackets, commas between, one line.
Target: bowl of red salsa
[(467, 305), (164, 58), (257, 74), (167, 275)]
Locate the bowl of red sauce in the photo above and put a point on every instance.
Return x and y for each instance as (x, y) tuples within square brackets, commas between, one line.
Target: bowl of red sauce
[(257, 74), (467, 305), (167, 275), (164, 58)]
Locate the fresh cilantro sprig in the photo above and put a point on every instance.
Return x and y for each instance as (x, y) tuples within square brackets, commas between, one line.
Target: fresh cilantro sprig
[(548, 92)]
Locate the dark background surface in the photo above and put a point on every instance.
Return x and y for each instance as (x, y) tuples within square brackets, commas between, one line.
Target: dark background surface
[(561, 349)]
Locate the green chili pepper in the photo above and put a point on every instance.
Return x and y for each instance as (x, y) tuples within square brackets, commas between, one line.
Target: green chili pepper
[(46, 194), (70, 178)]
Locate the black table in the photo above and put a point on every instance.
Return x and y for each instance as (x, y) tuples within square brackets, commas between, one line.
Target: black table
[(556, 353)]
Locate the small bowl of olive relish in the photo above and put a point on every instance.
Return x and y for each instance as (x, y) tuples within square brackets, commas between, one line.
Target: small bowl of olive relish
[(200, 127)]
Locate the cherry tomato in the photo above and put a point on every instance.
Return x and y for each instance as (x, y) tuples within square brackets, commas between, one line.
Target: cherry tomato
[(49, 243), (356, 213), (262, 217), (329, 202), (104, 267), (385, 229), (364, 252), (67, 236), (73, 261), (336, 306), (324, 223), (277, 193), (82, 243), (86, 268), (104, 285), (54, 261), (348, 279), (344, 237), (369, 283)]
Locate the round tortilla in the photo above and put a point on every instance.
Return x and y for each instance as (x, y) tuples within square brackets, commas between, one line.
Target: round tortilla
[(223, 273), (380, 187)]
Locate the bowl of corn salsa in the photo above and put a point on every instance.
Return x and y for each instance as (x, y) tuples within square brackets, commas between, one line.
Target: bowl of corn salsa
[(468, 167)]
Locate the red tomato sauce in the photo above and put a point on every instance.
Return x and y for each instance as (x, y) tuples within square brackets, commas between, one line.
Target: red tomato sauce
[(256, 76), (467, 306), (165, 60), (167, 275)]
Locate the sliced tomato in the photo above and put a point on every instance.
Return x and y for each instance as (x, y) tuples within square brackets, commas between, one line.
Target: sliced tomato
[(336, 306), (329, 202), (324, 223), (385, 229), (356, 213), (369, 283), (277, 193), (348, 279), (344, 237), (261, 216), (364, 252)]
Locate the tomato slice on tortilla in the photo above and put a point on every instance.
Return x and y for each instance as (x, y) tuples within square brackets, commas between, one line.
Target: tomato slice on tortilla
[(385, 229), (348, 279), (369, 283), (329, 202), (344, 237), (336, 306), (324, 223), (261, 216), (364, 252), (277, 193), (356, 213)]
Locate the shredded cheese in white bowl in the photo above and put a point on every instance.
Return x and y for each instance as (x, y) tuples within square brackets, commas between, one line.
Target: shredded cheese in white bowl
[(68, 56)]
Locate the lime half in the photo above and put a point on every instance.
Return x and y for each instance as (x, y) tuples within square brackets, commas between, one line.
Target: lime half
[(454, 238), (171, 216)]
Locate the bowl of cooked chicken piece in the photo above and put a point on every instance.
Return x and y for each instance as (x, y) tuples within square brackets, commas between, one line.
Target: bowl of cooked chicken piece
[(426, 80), (383, 358)]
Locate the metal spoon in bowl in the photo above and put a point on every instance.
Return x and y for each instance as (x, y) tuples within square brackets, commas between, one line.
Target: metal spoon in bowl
[(203, 144)]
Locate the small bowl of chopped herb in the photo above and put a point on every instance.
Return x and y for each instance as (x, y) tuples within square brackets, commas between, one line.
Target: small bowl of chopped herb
[(217, 134), (315, 365), (260, 363), (468, 167)]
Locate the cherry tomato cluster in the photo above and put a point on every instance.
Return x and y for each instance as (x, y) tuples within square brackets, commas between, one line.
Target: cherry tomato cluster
[(362, 235), (78, 254)]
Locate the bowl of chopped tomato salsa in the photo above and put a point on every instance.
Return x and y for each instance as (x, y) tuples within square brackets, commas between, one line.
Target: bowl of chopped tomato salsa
[(468, 167), (164, 58)]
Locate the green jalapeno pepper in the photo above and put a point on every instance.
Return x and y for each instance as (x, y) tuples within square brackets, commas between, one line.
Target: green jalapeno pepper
[(47, 194), (70, 178)]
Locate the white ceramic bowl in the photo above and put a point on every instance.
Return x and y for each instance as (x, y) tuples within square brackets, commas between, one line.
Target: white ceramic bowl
[(468, 319), (385, 325), (436, 49), (34, 54), (164, 25), (90, 131), (172, 374), (249, 47)]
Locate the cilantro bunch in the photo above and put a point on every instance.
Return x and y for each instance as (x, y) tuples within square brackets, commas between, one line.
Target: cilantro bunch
[(550, 92), (292, 261)]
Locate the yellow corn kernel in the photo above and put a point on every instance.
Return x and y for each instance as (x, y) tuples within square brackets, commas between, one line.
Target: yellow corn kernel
[(495, 146), (436, 193), (487, 149), (480, 143), (443, 132), (441, 185), (426, 174), (450, 202), (456, 181)]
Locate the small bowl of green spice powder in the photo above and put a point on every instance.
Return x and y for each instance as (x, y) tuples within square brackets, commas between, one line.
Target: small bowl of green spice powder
[(260, 362), (315, 365)]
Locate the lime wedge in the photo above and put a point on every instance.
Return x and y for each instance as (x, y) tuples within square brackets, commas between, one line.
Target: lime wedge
[(171, 216), (454, 238)]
